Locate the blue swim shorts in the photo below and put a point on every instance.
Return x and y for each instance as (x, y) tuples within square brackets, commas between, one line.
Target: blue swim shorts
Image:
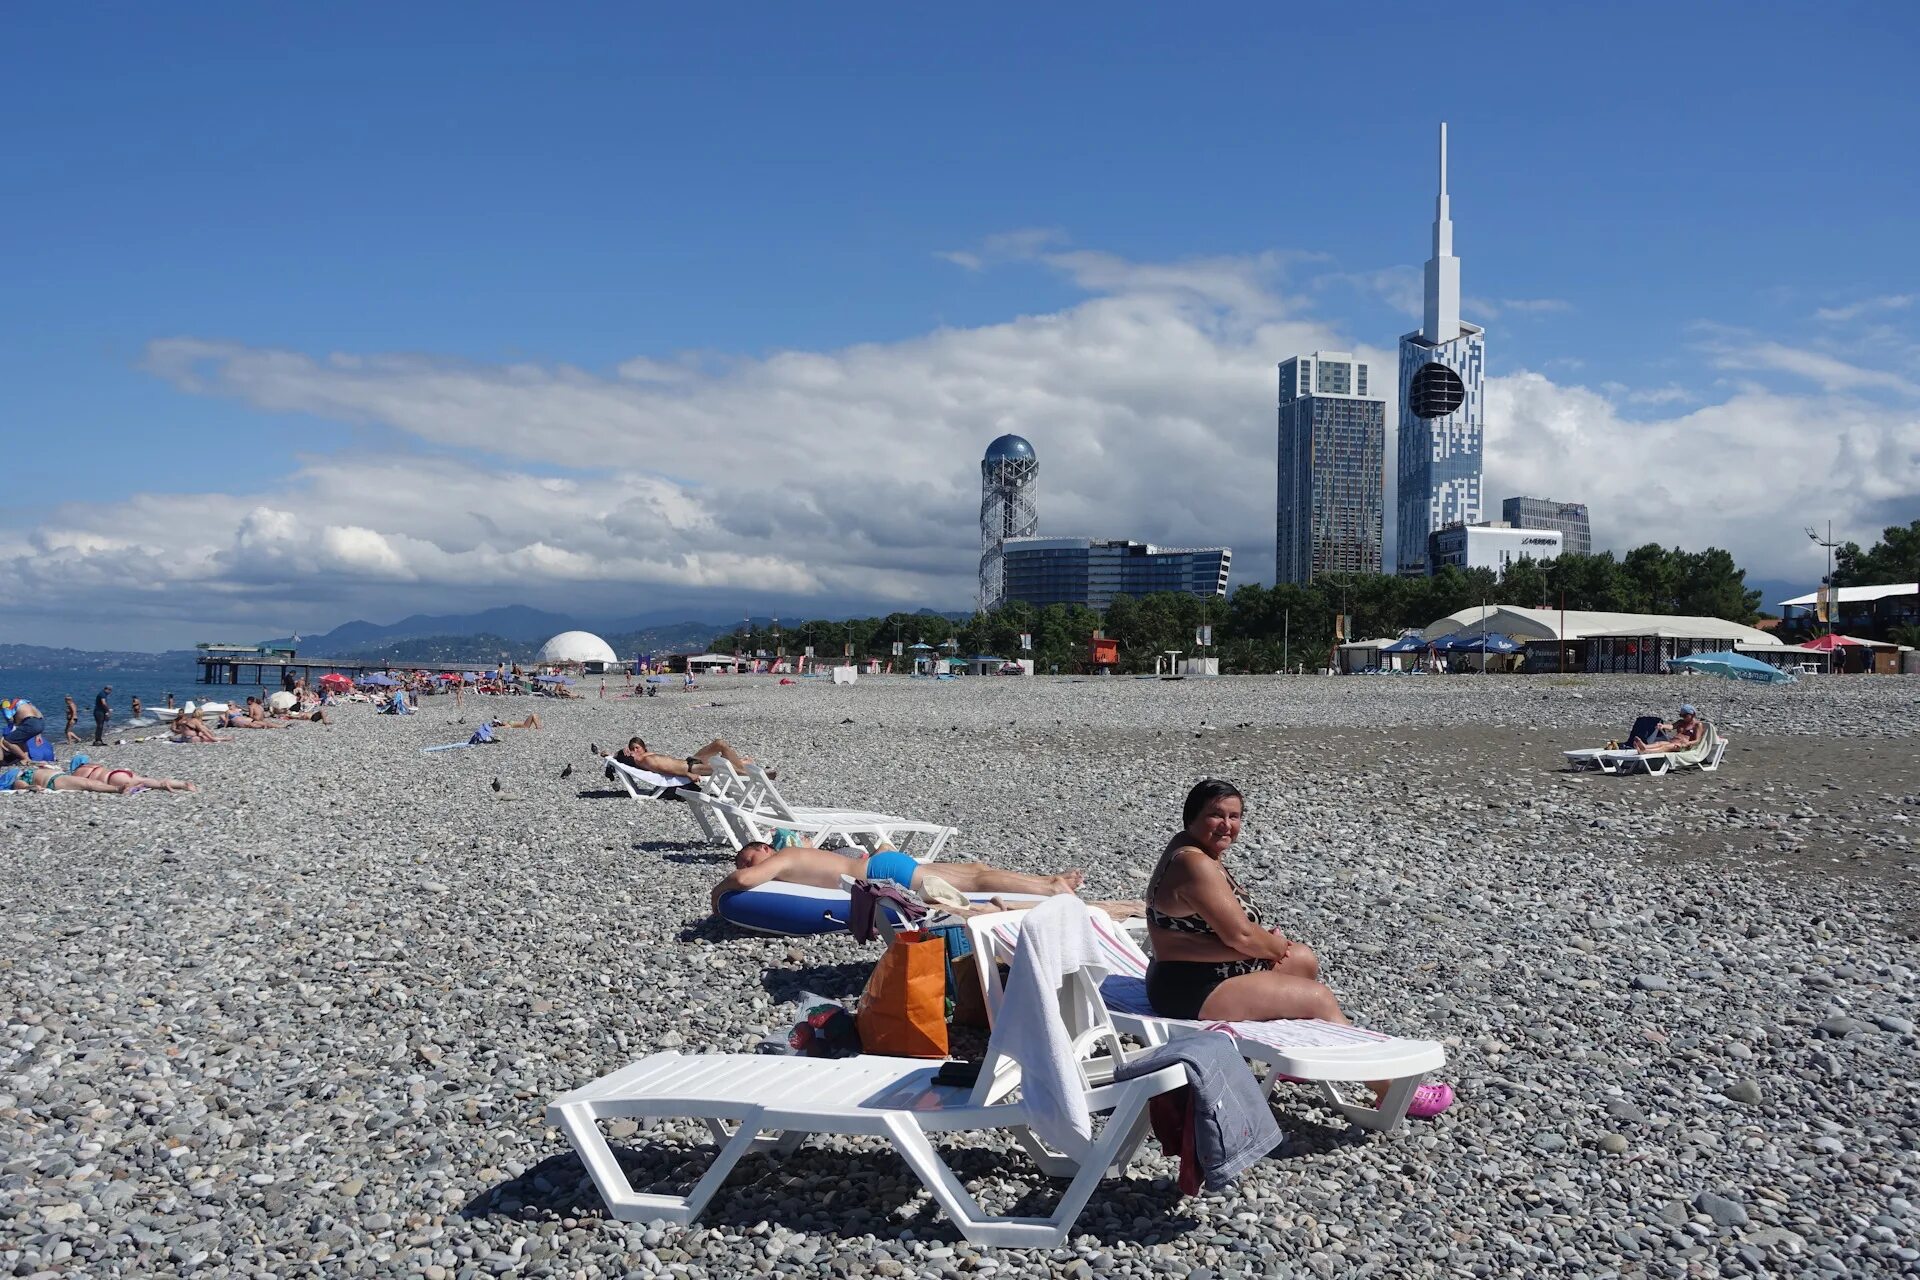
[(892, 865)]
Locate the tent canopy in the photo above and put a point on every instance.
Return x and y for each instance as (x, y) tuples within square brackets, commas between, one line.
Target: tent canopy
[(1545, 624)]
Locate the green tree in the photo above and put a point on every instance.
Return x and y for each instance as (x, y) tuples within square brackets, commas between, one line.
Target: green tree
[(1894, 558), (1710, 585), (1524, 584)]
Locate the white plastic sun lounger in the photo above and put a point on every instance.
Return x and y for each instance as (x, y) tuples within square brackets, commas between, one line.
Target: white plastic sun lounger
[(1306, 1049), (882, 828), (751, 808), (644, 784), (1705, 757), (751, 1102)]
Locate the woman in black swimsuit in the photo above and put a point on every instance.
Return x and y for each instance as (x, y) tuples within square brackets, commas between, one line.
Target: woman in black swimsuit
[(1212, 958)]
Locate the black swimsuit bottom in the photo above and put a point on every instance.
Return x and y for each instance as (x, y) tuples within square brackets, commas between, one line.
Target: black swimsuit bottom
[(1178, 988)]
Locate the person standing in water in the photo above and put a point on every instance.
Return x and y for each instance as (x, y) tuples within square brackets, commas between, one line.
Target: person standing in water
[(102, 712), (73, 718)]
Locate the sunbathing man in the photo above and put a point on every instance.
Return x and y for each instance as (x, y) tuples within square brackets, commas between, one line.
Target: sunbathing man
[(760, 863), (1682, 735), (124, 780), (531, 722), (636, 756), (254, 717)]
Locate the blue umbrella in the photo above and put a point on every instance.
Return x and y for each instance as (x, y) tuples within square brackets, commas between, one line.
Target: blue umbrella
[(1738, 666), (383, 681), (1492, 642), (553, 680), (1409, 643)]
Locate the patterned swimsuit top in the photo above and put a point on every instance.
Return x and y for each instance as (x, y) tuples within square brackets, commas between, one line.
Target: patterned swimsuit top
[(1195, 923)]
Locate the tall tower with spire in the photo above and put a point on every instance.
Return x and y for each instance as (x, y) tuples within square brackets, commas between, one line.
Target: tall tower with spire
[(1442, 402)]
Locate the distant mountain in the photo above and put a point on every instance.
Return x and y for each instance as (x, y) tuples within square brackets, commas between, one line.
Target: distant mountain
[(40, 657), (517, 631), (514, 622)]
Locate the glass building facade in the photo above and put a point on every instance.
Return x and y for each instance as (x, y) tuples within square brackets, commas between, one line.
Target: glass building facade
[(1570, 518), (1044, 571), (1332, 447), (1442, 434)]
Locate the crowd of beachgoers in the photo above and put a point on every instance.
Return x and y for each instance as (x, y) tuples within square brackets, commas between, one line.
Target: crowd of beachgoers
[(30, 750), (311, 1019)]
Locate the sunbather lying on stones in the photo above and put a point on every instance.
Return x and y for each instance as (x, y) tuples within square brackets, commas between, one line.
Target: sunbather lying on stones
[(698, 765), (761, 863), (50, 777), (1213, 957), (532, 721), (124, 780), (253, 717), (1682, 735)]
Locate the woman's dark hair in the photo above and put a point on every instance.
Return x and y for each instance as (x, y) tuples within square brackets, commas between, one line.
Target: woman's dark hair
[(1204, 793)]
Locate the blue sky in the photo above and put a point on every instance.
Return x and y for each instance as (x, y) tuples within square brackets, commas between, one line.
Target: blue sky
[(1649, 200)]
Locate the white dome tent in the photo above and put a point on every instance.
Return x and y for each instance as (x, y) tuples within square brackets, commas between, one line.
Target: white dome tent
[(580, 649)]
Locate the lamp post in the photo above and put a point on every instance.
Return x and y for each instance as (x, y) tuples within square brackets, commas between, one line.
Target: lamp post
[(1832, 597)]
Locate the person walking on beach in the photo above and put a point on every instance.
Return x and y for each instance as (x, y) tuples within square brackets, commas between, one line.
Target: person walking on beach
[(73, 718), (102, 712)]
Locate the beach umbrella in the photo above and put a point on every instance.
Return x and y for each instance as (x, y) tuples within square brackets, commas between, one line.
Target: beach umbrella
[(282, 701), (473, 677), (926, 647), (379, 680), (1825, 644), (1738, 666), (1409, 643), (553, 680), (334, 680), (1492, 642)]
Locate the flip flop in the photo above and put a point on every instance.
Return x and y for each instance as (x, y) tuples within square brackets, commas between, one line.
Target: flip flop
[(1429, 1100)]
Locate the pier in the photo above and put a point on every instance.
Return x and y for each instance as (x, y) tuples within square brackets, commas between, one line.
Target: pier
[(267, 668)]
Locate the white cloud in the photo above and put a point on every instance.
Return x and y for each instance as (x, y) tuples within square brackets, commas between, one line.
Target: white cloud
[(1493, 307), (851, 475), (1829, 372), (1865, 306)]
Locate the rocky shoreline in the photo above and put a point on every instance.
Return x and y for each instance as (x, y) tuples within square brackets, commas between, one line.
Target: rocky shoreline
[(306, 1020)]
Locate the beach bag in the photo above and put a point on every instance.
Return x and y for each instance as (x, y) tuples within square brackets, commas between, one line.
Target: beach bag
[(903, 1011), (968, 1003)]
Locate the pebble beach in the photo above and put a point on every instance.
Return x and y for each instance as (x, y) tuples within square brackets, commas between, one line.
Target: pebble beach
[(306, 1021)]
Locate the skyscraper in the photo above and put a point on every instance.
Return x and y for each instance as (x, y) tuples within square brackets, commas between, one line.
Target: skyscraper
[(1442, 402), (1570, 518), (1333, 440), (1007, 510)]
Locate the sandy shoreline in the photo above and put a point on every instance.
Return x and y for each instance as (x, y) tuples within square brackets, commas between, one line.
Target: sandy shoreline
[(306, 1021)]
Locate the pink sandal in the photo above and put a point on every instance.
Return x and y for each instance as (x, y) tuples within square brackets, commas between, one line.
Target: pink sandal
[(1429, 1100)]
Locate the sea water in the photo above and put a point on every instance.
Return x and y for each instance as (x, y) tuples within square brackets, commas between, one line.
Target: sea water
[(48, 689)]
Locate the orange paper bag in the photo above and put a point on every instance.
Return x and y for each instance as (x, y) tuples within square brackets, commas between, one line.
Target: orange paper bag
[(903, 1011)]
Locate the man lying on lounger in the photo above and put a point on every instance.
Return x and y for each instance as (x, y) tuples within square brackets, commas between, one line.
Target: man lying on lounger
[(1682, 735), (697, 765), (761, 863)]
